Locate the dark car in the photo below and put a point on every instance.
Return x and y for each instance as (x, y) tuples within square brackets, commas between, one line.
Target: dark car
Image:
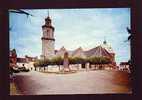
[(23, 69), (14, 70)]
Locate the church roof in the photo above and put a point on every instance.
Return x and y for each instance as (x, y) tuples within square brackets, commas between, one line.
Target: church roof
[(70, 53), (78, 52), (107, 47), (99, 51), (62, 48), (61, 51)]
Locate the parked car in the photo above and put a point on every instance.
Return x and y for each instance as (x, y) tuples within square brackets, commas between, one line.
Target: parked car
[(23, 69), (14, 70)]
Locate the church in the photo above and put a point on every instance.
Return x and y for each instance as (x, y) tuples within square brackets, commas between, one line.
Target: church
[(48, 46)]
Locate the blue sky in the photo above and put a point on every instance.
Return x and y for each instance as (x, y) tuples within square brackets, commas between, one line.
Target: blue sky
[(73, 28)]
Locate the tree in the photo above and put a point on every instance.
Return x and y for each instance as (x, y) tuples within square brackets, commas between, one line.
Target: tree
[(76, 60), (35, 65), (57, 61), (45, 62), (41, 63), (105, 60), (99, 60)]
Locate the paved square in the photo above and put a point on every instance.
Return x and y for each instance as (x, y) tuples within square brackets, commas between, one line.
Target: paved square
[(81, 82)]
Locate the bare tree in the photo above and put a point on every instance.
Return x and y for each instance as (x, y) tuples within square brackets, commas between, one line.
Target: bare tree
[(19, 11)]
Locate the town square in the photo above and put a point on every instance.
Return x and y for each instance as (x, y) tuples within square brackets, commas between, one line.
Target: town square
[(70, 51)]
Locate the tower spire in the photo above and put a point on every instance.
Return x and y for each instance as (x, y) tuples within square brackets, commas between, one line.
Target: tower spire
[(48, 13), (104, 40), (48, 41), (48, 19)]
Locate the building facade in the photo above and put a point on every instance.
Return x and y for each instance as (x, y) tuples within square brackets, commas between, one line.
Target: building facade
[(13, 58), (48, 41), (48, 46)]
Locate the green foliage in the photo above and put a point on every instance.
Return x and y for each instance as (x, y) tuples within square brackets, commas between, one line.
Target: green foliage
[(56, 61), (41, 63), (72, 60), (98, 60), (46, 62), (76, 60)]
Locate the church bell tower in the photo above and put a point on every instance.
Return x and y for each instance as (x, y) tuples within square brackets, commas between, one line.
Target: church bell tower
[(48, 40)]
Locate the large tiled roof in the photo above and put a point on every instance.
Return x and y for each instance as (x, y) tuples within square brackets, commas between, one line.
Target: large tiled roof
[(107, 47), (61, 52), (98, 52), (78, 53)]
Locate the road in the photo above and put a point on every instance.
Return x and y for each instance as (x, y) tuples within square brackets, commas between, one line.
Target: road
[(81, 82)]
